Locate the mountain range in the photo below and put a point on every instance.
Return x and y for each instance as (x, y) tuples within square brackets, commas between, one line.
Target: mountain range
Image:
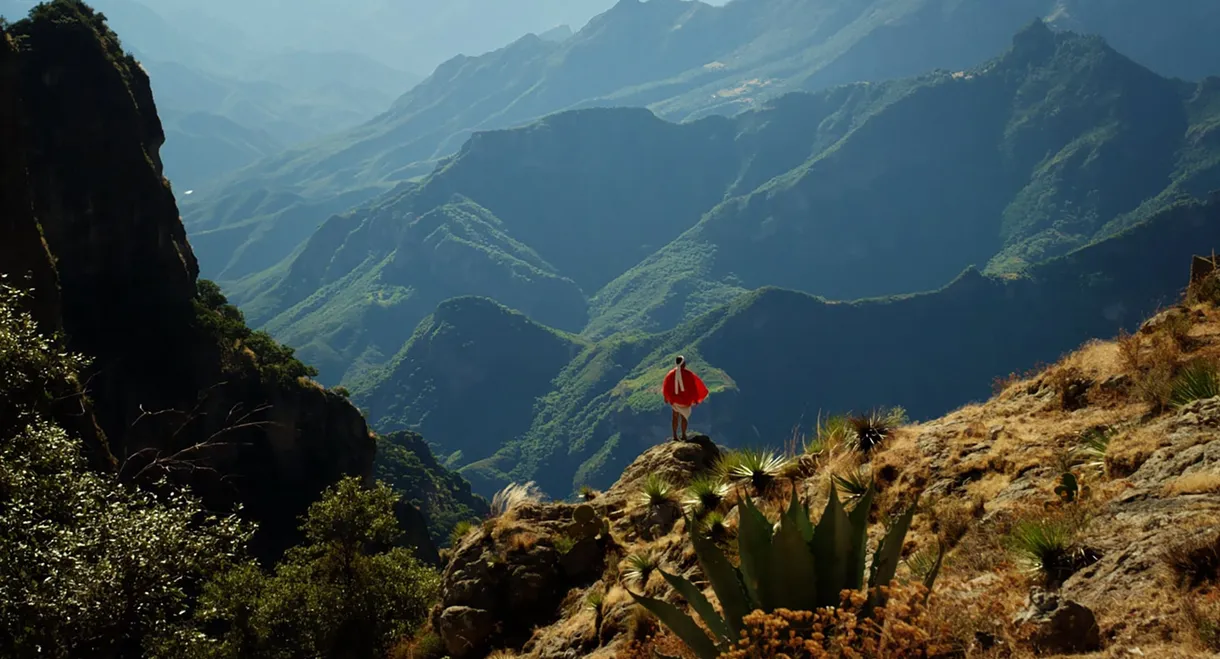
[(682, 60), (604, 221)]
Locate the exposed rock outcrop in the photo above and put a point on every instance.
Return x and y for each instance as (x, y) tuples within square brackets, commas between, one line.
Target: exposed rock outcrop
[(91, 224)]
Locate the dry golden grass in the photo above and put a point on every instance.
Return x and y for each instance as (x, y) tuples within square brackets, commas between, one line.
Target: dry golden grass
[(1198, 482)]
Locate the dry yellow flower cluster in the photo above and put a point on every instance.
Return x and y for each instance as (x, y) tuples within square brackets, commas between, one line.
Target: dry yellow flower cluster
[(899, 629)]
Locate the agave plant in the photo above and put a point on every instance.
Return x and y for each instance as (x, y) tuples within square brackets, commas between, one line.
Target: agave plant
[(1094, 445), (704, 495), (657, 490), (761, 469), (798, 566), (640, 567), (870, 430), (712, 525), (854, 483), (1198, 381)]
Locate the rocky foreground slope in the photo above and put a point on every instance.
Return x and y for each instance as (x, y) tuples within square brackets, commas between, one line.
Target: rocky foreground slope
[(1128, 539)]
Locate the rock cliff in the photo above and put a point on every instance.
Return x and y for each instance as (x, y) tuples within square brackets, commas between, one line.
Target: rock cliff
[(177, 385)]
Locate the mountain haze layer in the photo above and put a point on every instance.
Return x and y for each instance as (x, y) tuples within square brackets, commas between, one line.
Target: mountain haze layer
[(681, 59)]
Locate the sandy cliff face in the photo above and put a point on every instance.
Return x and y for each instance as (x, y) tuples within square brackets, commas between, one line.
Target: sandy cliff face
[(91, 225)]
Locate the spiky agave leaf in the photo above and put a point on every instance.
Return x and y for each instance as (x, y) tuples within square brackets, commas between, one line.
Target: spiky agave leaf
[(680, 624)]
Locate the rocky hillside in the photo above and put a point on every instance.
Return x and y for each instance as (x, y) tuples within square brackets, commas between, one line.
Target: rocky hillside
[(1078, 507), (595, 411), (178, 385), (683, 60)]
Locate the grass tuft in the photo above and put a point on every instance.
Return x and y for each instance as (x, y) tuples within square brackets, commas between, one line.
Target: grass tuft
[(514, 495)]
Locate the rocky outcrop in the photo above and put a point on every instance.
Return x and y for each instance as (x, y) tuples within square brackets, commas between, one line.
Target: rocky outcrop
[(85, 188), (535, 565), (511, 575)]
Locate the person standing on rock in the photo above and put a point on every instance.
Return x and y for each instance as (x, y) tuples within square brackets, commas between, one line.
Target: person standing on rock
[(682, 390)]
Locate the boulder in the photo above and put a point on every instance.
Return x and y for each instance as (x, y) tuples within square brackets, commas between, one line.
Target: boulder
[(1056, 625), (464, 629)]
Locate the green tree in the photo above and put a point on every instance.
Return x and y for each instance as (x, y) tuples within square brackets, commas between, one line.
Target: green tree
[(88, 567), (348, 592)]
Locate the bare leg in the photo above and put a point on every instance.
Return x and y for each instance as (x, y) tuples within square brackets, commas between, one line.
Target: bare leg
[(683, 428), (675, 424)]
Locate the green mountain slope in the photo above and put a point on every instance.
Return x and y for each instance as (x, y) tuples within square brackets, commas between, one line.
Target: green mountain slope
[(775, 358), (405, 463), (367, 281), (467, 379), (1055, 144), (681, 59)]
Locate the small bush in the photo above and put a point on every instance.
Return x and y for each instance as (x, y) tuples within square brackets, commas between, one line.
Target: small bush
[(1152, 367), (587, 493), (900, 627), (830, 434), (460, 530), (563, 544), (1195, 561), (1202, 612)]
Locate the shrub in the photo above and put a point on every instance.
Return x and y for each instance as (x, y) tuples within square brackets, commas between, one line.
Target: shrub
[(1194, 561), (347, 591), (898, 628), (460, 531), (226, 324), (830, 434), (795, 566), (1152, 367), (88, 566)]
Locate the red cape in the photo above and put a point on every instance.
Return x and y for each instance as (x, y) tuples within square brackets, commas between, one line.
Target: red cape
[(693, 389)]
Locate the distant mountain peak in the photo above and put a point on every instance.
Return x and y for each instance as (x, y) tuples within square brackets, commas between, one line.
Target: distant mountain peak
[(1035, 39)]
